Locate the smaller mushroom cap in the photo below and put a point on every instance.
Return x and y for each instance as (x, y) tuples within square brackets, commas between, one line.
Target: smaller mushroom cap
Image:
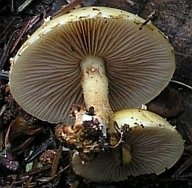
[(153, 143)]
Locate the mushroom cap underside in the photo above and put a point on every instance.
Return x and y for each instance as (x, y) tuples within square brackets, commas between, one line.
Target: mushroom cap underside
[(153, 143), (45, 77)]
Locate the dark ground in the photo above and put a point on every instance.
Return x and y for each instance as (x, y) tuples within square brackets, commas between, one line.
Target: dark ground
[(24, 139)]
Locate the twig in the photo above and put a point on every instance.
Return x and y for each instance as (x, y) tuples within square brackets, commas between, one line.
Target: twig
[(131, 3), (55, 164), (62, 170), (34, 20), (3, 109), (119, 142), (25, 144), (24, 5), (149, 18), (6, 30), (182, 84), (120, 132), (6, 50), (4, 75), (40, 149), (20, 35), (24, 30), (49, 179), (7, 141), (12, 6), (66, 8), (25, 176), (43, 13), (183, 167)]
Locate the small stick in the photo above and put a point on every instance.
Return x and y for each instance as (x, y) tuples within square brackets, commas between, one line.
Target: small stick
[(55, 163), (66, 8), (7, 141), (3, 109), (21, 33), (121, 136), (25, 144), (119, 141), (6, 30), (24, 5), (12, 6), (182, 84), (149, 18), (34, 20), (6, 50)]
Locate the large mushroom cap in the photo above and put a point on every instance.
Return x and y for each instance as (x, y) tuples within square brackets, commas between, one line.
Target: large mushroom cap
[(45, 77), (154, 146)]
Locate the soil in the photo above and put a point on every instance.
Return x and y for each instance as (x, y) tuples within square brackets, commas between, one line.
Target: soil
[(173, 17)]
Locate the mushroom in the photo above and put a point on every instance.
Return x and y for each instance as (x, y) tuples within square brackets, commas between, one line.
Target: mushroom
[(102, 57), (150, 145), (105, 58)]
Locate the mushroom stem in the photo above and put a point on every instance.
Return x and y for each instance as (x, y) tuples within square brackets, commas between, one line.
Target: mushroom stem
[(95, 87)]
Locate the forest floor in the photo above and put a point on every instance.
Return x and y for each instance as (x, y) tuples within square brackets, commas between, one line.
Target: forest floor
[(23, 138)]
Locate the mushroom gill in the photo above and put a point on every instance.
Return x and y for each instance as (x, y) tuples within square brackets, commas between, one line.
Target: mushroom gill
[(136, 64)]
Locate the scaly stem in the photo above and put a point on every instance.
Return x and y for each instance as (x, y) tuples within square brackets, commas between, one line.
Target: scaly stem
[(95, 87)]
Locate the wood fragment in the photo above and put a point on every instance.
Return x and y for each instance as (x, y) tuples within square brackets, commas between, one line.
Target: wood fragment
[(12, 6), (6, 50), (182, 84), (131, 3), (20, 149), (4, 75), (3, 109), (7, 141), (55, 164), (24, 30), (149, 18), (3, 34), (20, 35), (24, 5), (1, 140), (67, 8)]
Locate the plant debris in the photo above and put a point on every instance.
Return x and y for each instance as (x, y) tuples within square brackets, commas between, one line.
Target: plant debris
[(87, 136)]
